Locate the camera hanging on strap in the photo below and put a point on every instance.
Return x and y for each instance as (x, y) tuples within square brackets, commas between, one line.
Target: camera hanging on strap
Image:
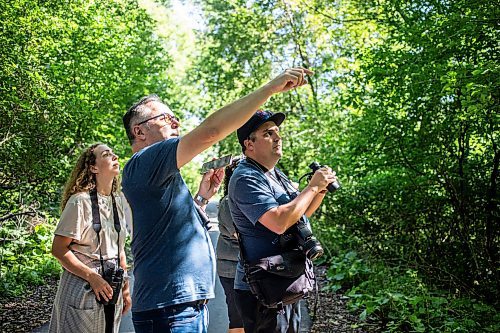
[(112, 275)]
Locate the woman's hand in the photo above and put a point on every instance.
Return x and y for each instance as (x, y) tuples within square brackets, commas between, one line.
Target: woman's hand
[(60, 250), (100, 287), (127, 301)]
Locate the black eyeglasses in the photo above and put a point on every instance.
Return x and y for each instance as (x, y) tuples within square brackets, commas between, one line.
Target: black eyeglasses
[(167, 117)]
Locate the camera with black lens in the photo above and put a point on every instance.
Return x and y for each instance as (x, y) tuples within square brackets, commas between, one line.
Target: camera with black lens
[(113, 276), (307, 242), (301, 234), (332, 187)]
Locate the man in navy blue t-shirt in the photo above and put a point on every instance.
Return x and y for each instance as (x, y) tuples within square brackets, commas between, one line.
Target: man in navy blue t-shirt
[(173, 256), (264, 204)]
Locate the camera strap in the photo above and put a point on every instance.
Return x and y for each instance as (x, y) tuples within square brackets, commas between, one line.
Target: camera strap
[(96, 223), (279, 179), (278, 176)]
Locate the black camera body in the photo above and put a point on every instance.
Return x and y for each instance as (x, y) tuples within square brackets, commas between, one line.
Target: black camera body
[(300, 234), (113, 276), (332, 187)]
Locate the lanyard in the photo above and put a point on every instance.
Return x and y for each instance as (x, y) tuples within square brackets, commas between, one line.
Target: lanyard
[(278, 176)]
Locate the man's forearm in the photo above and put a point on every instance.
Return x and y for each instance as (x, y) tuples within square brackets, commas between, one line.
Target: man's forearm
[(315, 203), (219, 125), (232, 116), (228, 119), (281, 218)]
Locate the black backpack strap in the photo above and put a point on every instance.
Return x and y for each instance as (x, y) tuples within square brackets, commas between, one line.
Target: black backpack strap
[(240, 245)]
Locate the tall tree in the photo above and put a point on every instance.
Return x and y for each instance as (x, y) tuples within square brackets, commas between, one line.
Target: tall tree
[(404, 104), (68, 72)]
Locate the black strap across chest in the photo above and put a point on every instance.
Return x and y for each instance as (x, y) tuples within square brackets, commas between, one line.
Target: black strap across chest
[(277, 176), (96, 222)]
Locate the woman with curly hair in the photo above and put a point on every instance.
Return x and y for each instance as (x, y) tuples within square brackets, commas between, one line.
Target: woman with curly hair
[(84, 251)]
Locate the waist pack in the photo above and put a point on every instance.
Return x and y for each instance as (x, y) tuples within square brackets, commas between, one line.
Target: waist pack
[(281, 279)]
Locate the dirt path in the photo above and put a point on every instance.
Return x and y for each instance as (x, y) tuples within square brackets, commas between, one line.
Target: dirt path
[(332, 314), (27, 313)]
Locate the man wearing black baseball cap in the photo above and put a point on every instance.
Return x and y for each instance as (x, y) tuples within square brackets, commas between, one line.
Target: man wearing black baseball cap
[(264, 204), (259, 118)]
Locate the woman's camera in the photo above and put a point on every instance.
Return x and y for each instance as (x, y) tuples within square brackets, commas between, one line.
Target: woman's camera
[(113, 276)]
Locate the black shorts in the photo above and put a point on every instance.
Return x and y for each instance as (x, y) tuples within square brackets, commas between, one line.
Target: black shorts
[(232, 311)]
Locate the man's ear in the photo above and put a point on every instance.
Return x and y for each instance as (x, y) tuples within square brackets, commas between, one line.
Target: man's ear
[(248, 145), (138, 132)]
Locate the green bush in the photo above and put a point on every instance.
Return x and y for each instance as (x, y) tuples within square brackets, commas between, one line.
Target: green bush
[(25, 257), (399, 298)]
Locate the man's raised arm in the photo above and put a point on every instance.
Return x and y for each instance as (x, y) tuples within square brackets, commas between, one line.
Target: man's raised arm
[(226, 120)]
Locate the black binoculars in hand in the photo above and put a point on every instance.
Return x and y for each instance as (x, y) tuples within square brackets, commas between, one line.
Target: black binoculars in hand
[(332, 187)]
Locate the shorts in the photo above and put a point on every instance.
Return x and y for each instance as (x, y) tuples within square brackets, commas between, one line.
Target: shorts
[(232, 312)]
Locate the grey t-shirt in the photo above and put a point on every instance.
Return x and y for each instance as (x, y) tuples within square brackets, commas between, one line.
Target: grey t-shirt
[(227, 245), (174, 261), (252, 192)]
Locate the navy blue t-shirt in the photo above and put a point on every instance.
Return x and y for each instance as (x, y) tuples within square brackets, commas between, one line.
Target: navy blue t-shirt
[(174, 261), (252, 192)]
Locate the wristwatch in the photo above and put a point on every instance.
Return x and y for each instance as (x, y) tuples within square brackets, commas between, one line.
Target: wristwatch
[(201, 199)]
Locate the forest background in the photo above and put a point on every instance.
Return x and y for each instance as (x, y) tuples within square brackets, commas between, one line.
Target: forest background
[(404, 105)]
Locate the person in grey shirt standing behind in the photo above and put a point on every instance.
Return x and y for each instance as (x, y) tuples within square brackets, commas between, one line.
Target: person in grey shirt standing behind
[(227, 255)]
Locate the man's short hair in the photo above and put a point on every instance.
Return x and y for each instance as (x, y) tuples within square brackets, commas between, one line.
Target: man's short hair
[(138, 112)]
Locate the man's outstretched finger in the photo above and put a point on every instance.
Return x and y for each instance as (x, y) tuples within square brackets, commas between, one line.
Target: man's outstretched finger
[(303, 72)]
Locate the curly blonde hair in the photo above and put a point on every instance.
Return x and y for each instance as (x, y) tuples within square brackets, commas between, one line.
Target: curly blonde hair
[(82, 179)]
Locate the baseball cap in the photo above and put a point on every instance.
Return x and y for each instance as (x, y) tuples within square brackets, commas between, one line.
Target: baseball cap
[(259, 118)]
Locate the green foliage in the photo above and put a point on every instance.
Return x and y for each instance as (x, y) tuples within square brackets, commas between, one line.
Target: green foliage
[(404, 106), (424, 144), (68, 74), (402, 301), (25, 257)]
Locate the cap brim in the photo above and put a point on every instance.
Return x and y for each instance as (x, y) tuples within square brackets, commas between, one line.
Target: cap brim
[(277, 118), (243, 132)]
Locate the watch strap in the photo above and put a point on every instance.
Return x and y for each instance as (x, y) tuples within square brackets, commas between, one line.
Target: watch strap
[(201, 199)]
